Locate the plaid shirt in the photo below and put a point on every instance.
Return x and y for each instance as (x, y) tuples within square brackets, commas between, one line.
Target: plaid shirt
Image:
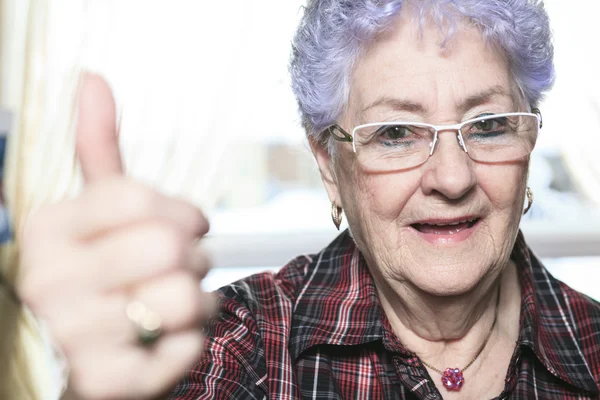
[(315, 330)]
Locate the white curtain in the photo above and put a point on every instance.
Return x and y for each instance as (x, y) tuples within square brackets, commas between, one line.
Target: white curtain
[(176, 68)]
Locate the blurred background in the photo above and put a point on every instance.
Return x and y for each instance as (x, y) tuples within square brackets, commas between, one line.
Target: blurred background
[(207, 113)]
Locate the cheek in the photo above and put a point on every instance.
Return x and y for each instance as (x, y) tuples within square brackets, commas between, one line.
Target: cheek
[(503, 186), (376, 197), (390, 193)]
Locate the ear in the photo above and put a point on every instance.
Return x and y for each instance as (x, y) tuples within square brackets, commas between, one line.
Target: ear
[(326, 167)]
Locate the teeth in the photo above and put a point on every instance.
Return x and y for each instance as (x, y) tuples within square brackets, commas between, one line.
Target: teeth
[(455, 223)]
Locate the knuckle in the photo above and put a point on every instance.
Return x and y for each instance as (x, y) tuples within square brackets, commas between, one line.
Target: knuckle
[(65, 333), (138, 199), (182, 292), (200, 261), (29, 290), (36, 226), (34, 287), (171, 245), (126, 196), (45, 273), (202, 223), (189, 289), (195, 221), (202, 265), (206, 259)]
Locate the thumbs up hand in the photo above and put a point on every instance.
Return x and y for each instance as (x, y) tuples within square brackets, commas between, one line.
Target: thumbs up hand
[(114, 273)]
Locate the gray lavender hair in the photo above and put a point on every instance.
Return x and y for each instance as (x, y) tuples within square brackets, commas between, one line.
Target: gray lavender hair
[(334, 33)]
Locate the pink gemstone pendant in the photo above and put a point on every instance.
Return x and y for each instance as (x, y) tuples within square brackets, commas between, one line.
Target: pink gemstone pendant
[(453, 379)]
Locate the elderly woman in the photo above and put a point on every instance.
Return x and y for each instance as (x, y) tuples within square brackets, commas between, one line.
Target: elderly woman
[(421, 116)]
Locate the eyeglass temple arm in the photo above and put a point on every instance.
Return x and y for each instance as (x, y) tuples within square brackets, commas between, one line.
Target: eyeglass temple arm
[(339, 134), (537, 112)]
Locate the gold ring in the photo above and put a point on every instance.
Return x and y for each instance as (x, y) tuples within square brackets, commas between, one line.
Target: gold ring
[(148, 323)]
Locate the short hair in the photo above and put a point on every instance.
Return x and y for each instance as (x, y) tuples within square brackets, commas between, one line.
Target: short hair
[(333, 34)]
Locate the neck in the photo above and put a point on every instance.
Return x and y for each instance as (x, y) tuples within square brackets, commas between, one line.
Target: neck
[(449, 331)]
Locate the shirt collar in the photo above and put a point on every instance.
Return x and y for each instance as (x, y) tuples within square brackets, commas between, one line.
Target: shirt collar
[(547, 326), (338, 305)]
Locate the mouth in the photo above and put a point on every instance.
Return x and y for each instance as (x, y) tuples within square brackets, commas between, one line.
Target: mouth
[(446, 227)]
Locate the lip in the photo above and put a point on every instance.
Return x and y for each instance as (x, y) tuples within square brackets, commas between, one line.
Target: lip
[(447, 221), (436, 237)]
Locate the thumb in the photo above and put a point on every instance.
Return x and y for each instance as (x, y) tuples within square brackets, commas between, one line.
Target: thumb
[(96, 142)]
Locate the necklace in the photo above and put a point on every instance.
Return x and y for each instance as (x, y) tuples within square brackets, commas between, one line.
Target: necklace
[(452, 378)]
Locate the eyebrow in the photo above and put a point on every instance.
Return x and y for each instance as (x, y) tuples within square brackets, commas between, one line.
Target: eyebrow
[(482, 98), (470, 102), (396, 104)]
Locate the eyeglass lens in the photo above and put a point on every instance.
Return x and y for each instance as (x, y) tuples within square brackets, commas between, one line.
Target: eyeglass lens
[(389, 146)]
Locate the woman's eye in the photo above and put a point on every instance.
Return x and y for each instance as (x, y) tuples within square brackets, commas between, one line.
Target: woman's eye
[(486, 125), (489, 125), (394, 132)]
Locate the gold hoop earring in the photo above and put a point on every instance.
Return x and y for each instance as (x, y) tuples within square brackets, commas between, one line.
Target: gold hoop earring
[(336, 215), (529, 200)]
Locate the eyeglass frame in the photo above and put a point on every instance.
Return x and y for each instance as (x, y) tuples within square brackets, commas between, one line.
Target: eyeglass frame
[(349, 138)]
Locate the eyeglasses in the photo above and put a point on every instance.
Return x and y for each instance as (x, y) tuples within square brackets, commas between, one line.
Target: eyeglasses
[(389, 146)]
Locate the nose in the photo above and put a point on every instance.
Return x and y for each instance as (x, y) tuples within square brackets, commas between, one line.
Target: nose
[(449, 170)]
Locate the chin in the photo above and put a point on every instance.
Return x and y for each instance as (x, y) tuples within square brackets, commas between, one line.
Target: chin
[(451, 269), (449, 280), (456, 285), (444, 258)]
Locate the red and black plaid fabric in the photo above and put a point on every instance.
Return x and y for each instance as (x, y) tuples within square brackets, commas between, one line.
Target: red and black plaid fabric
[(315, 330)]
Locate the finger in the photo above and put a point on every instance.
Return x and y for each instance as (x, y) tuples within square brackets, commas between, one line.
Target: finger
[(139, 253), (173, 356), (110, 372), (115, 203), (110, 205), (118, 260), (179, 306), (97, 271), (96, 138), (178, 300)]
